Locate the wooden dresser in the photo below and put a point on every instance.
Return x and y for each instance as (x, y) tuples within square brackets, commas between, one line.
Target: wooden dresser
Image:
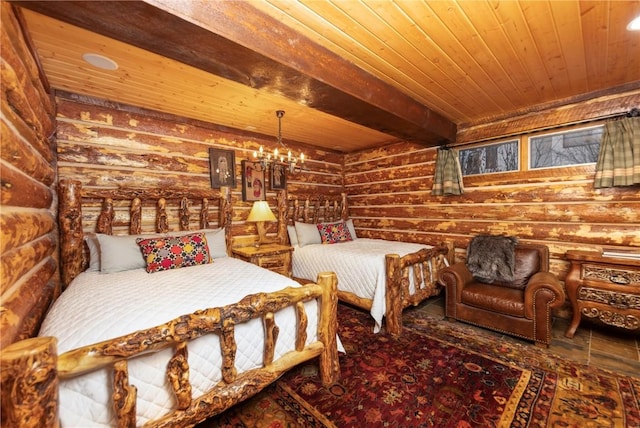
[(603, 288)]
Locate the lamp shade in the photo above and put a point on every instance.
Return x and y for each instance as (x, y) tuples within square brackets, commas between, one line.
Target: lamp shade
[(261, 212)]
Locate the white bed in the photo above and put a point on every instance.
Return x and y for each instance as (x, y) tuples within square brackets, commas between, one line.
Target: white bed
[(360, 267), (383, 277), (165, 340), (95, 305)]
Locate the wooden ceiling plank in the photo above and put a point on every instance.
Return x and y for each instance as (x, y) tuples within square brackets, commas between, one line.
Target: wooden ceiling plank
[(149, 80), (491, 28), (513, 23), (458, 41), (541, 25), (403, 60), (158, 28), (242, 23), (623, 59), (421, 79), (569, 34), (595, 22)]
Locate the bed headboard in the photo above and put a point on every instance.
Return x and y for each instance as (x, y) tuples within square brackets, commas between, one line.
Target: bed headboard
[(309, 208), (128, 212)]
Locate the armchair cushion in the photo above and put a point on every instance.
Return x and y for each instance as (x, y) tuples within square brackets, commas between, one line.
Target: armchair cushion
[(528, 264)]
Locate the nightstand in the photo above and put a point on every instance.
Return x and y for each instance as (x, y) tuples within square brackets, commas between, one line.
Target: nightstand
[(275, 257)]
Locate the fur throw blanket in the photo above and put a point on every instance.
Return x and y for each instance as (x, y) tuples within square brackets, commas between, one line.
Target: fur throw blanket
[(492, 258)]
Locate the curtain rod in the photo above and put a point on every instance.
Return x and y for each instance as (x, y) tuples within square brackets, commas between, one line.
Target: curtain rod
[(634, 112)]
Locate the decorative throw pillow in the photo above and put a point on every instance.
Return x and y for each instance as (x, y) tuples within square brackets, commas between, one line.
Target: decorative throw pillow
[(174, 252), (307, 234), (216, 240), (120, 252), (331, 233)]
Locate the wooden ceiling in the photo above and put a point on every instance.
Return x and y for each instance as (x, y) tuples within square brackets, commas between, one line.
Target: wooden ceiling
[(349, 74)]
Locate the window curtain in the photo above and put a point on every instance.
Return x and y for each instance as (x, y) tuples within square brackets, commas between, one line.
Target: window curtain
[(619, 157), (447, 179)]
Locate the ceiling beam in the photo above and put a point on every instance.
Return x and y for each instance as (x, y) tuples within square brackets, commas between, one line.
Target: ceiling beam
[(234, 40)]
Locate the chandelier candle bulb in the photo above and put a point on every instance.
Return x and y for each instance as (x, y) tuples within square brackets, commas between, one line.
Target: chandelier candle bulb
[(266, 159)]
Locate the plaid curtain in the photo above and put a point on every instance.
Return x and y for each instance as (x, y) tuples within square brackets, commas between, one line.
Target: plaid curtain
[(619, 158), (448, 177)]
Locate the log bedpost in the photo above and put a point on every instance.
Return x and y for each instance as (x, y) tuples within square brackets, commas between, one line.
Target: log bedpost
[(30, 384), (393, 295), (328, 328), (71, 234), (283, 220), (344, 214), (226, 214)]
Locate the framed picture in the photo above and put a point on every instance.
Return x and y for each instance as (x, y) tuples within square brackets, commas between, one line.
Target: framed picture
[(278, 177), (253, 186), (222, 167)]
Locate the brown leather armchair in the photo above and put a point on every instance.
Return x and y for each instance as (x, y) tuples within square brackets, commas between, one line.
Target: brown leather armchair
[(521, 308)]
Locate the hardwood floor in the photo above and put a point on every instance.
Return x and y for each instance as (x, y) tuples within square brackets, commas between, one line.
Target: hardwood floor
[(599, 346)]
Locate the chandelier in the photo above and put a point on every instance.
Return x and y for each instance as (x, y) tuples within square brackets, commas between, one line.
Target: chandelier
[(278, 157)]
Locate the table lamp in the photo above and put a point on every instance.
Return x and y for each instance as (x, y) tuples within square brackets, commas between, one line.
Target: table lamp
[(260, 213)]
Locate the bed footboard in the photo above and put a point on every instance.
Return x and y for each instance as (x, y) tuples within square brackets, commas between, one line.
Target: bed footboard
[(423, 265), (32, 370)]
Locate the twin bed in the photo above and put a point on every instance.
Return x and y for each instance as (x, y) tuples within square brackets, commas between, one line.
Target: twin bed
[(183, 335), (382, 277)]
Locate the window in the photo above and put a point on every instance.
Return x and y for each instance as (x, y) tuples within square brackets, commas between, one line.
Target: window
[(499, 157), (565, 148)]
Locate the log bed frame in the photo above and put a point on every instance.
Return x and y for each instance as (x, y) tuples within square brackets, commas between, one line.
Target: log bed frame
[(328, 208), (32, 369)]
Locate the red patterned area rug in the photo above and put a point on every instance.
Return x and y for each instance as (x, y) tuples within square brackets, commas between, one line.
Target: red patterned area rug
[(440, 374)]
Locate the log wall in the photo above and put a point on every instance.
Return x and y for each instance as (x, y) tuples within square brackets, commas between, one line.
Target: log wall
[(389, 196), (104, 145), (28, 232)]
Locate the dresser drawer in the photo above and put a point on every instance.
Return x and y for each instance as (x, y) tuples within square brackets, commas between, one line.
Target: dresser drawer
[(614, 275), (271, 261)]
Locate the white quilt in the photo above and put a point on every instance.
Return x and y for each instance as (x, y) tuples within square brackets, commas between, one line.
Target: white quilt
[(97, 307), (359, 265)]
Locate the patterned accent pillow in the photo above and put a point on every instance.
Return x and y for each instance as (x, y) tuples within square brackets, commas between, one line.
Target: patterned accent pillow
[(331, 233), (164, 253)]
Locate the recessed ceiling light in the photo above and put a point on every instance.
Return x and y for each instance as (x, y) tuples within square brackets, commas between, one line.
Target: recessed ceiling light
[(100, 61), (634, 25)]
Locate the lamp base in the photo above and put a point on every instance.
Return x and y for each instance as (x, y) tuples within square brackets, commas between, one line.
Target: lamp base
[(262, 235)]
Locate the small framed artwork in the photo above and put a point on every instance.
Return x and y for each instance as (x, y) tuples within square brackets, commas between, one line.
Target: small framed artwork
[(222, 167), (278, 177), (253, 186)]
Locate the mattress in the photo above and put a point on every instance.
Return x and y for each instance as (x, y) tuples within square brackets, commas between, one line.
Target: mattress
[(358, 264), (97, 307)]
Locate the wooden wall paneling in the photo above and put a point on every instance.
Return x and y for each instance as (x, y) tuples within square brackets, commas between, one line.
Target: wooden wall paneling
[(106, 146), (18, 227), (389, 191), (17, 262), (28, 257)]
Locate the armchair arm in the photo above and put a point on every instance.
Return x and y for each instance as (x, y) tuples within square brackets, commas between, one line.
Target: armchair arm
[(546, 289), (454, 278)]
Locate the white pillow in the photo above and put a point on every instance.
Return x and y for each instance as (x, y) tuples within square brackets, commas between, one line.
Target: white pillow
[(293, 237), (216, 240), (352, 229), (217, 243), (120, 253), (307, 234), (94, 252)]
